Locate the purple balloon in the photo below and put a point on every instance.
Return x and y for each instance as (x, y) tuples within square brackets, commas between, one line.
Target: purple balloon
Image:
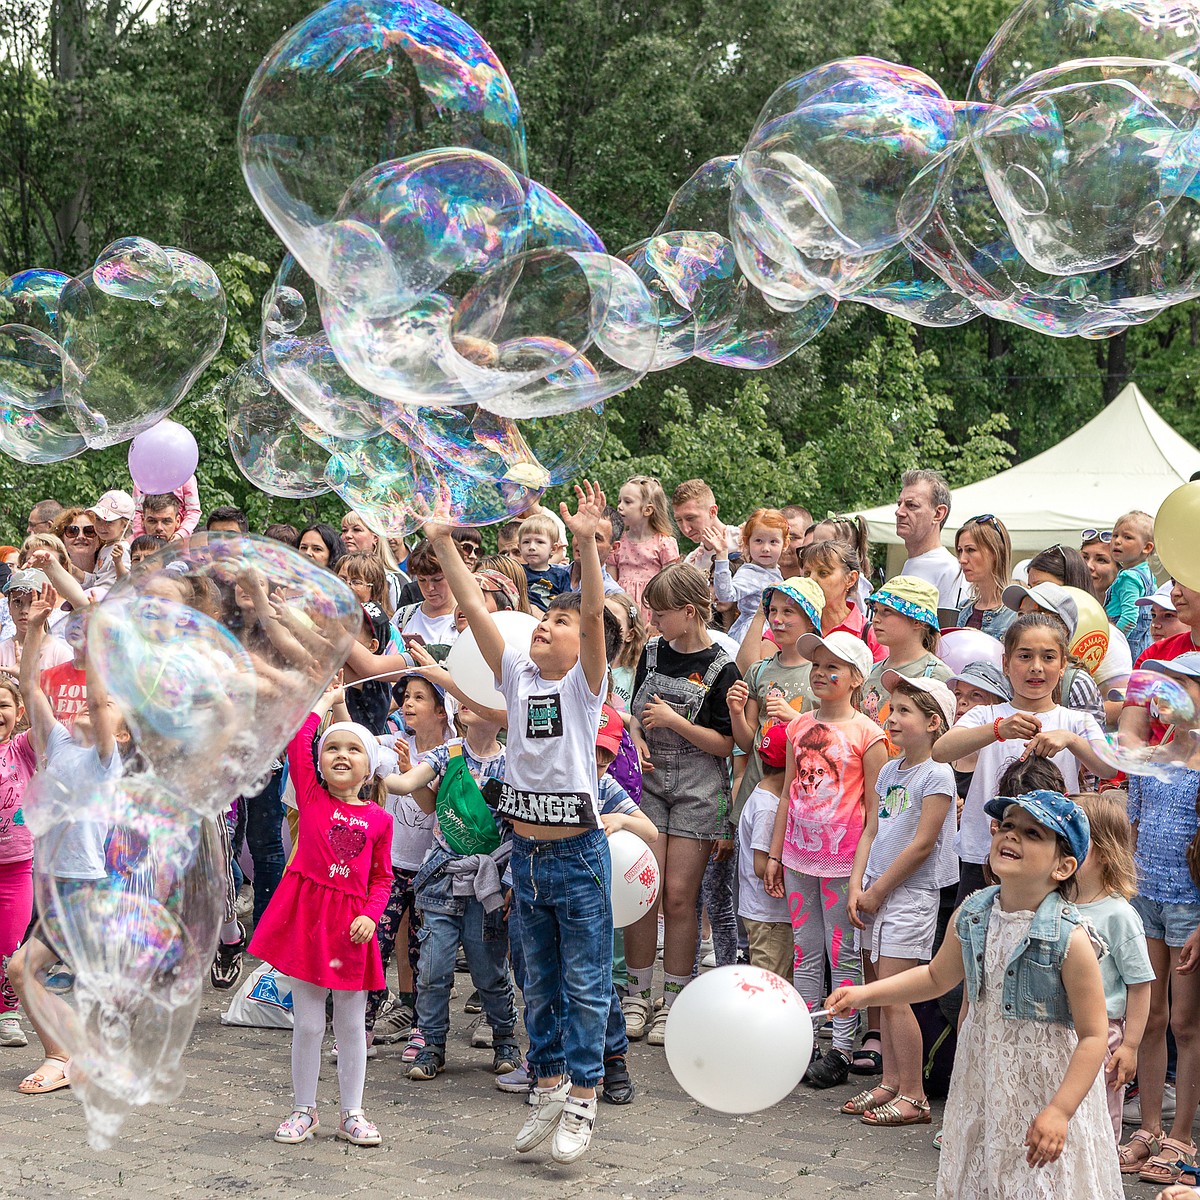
[(960, 647), (163, 458)]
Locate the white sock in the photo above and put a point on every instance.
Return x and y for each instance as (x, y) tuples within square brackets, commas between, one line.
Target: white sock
[(641, 980), (231, 932)]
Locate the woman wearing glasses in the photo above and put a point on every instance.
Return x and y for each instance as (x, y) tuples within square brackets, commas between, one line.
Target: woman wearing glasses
[(984, 552), (77, 528), (1096, 548)]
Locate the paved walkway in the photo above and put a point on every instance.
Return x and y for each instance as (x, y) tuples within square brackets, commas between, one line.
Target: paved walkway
[(450, 1137)]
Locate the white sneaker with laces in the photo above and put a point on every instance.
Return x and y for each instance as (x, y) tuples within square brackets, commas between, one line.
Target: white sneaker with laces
[(637, 1010), (545, 1109), (656, 1035), (574, 1132), (11, 1033)]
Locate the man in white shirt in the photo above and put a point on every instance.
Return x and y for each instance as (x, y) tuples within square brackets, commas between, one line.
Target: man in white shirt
[(921, 512)]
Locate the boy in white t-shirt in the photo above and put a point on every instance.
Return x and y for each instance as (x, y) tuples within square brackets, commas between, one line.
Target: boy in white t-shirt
[(560, 862), (768, 924)]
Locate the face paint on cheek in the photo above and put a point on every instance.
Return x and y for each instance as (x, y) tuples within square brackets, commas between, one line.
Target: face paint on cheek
[(833, 677)]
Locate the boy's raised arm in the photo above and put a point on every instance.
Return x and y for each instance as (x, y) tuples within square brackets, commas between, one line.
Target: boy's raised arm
[(469, 596), (589, 508)]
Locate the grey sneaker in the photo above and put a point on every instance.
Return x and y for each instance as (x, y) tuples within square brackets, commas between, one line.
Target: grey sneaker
[(481, 1033), (545, 1109), (11, 1033), (516, 1083), (637, 1010), (574, 1132), (394, 1024)]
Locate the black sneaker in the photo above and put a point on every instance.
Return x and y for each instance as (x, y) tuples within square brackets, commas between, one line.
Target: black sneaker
[(429, 1063), (831, 1069), (506, 1056), (618, 1087), (474, 1004), (226, 967)]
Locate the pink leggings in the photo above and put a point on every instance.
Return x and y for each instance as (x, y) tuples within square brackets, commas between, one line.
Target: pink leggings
[(16, 907)]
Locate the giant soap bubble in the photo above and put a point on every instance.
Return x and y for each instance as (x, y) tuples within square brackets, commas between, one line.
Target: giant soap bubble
[(137, 331), (356, 84), (129, 884)]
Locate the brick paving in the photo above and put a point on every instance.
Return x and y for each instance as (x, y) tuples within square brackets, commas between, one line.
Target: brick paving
[(448, 1137)]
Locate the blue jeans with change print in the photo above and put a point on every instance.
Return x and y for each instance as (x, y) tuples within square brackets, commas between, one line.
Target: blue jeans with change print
[(564, 918)]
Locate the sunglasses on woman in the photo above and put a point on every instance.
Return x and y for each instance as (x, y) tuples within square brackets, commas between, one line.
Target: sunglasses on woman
[(1096, 535), (73, 531)]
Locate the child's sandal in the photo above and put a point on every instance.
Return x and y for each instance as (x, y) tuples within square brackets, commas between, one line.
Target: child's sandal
[(865, 1101), (1166, 1165), (299, 1127), (357, 1130), (1138, 1151)]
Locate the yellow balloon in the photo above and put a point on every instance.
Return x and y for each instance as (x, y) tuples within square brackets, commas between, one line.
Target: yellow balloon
[(1089, 638), (1177, 534)]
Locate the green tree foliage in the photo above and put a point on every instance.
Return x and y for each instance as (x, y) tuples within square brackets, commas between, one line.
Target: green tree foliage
[(119, 118)]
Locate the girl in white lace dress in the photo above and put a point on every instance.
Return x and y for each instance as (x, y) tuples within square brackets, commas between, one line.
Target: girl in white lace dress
[(1026, 1117)]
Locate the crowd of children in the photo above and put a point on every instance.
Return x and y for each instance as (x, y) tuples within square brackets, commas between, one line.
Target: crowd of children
[(820, 789)]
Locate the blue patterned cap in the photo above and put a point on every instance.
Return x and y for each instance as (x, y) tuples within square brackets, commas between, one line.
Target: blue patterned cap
[(1055, 811), (910, 597), (801, 591)]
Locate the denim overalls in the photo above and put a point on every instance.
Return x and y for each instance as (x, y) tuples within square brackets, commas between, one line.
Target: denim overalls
[(694, 785), (1033, 987)]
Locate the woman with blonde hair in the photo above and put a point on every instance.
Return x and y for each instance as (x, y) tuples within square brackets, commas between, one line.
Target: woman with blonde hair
[(984, 554), (359, 537)]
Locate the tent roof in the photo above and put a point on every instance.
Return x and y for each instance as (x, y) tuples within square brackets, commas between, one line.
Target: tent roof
[(1126, 457)]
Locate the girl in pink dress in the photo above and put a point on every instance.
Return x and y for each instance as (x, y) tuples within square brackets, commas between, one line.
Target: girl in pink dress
[(320, 925), (646, 545)]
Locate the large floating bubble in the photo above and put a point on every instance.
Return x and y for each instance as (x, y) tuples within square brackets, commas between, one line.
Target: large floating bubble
[(356, 84), (1086, 160), (1167, 700), (31, 298), (43, 436), (30, 368), (264, 439), (129, 885), (137, 331), (833, 151), (760, 335)]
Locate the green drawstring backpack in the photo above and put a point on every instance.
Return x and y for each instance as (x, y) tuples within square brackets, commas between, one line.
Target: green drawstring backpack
[(467, 823)]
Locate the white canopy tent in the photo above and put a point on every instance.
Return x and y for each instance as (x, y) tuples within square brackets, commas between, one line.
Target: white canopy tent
[(1125, 457)]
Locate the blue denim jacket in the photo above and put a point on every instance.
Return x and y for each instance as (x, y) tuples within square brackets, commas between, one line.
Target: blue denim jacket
[(433, 891), (1033, 988)]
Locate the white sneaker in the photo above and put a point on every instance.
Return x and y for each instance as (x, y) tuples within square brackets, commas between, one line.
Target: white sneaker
[(656, 1035), (710, 959), (637, 1012), (545, 1109), (243, 906), (574, 1132), (11, 1033), (481, 1033)]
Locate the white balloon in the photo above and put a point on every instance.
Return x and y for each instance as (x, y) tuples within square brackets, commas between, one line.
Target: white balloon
[(758, 1067), (466, 664), (635, 878)]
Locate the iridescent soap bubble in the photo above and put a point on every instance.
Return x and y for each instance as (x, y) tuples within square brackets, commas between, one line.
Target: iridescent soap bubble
[(360, 83), (215, 655), (966, 243), (131, 354), (694, 279), (133, 268), (833, 151), (137, 937), (1041, 34), (30, 368), (472, 440), (1086, 160), (31, 298), (43, 436), (761, 335), (300, 362), (550, 222), (910, 289), (264, 439), (1168, 701), (624, 341)]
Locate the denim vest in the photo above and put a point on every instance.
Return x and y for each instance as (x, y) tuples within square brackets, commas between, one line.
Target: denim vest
[(1033, 988)]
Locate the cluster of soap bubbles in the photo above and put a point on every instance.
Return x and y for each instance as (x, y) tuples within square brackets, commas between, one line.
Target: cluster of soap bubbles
[(437, 303), (95, 360), (212, 652)]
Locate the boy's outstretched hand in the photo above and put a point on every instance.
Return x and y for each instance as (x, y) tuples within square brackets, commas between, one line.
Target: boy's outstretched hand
[(589, 508)]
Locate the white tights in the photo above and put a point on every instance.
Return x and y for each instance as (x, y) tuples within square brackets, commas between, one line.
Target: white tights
[(349, 1016)]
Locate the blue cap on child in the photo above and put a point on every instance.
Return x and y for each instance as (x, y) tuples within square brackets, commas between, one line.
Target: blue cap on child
[(1056, 812)]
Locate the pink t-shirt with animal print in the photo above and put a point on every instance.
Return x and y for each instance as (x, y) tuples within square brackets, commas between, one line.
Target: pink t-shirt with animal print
[(825, 804)]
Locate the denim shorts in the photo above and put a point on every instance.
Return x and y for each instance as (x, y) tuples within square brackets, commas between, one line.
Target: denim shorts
[(1170, 923)]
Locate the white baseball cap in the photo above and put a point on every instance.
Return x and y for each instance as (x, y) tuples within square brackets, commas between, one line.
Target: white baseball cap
[(1162, 598), (840, 644), (114, 506)]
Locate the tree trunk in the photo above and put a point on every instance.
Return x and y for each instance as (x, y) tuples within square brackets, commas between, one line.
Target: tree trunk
[(1116, 373), (68, 32)]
